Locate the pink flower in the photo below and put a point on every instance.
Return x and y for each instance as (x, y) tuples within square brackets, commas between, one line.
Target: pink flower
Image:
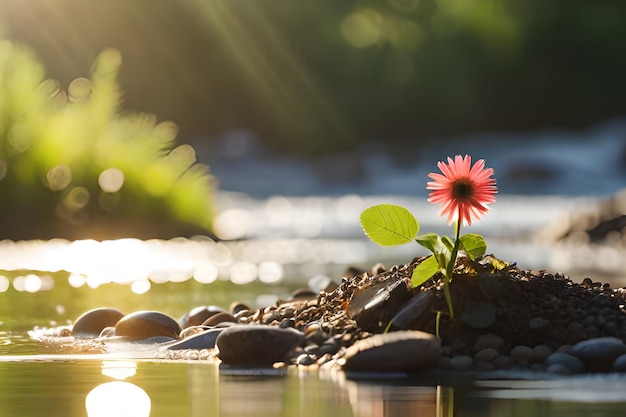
[(463, 192)]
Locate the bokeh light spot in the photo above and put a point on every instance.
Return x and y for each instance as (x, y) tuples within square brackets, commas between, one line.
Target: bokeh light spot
[(206, 273), (111, 180), (231, 224), (141, 286), (4, 283), (363, 28), (270, 272), (59, 177), (77, 198), (243, 272), (79, 90), (77, 280), (32, 283)]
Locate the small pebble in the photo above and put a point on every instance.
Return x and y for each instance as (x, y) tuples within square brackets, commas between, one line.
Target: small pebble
[(523, 355), (222, 317), (574, 364), (488, 340), (503, 362), (486, 355), (559, 369), (599, 354), (461, 363), (542, 352)]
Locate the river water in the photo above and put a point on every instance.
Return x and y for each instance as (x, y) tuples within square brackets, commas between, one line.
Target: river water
[(285, 225)]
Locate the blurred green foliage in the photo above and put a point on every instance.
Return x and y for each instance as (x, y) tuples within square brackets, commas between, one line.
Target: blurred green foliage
[(73, 165), (319, 75)]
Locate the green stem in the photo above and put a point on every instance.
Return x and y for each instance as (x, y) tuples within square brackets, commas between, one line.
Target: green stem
[(450, 269)]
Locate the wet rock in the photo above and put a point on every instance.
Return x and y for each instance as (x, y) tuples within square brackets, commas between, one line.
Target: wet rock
[(190, 331), (542, 352), (402, 351), (146, 324), (373, 306), (564, 360), (619, 365), (461, 363), (503, 362), (91, 323), (202, 340), (199, 315), (219, 318), (559, 369), (479, 316), (488, 340), (413, 309), (599, 354), (486, 355), (257, 345), (523, 355), (237, 307), (107, 332)]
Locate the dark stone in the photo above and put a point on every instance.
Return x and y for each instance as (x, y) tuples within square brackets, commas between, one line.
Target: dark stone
[(402, 351), (146, 324), (303, 294), (488, 340), (619, 365), (91, 323), (219, 318), (202, 340), (486, 355), (413, 309), (570, 362), (199, 315), (373, 306), (599, 354), (236, 307), (461, 363), (257, 345)]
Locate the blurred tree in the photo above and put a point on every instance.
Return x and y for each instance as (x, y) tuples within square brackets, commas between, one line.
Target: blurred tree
[(71, 165), (315, 76)]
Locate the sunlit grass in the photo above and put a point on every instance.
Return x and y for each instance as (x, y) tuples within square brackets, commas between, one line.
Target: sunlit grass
[(74, 157)]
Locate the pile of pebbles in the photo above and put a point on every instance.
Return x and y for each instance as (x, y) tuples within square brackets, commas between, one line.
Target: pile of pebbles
[(504, 319)]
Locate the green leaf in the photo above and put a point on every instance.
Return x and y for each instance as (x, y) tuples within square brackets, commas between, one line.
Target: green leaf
[(435, 243), (474, 245), (430, 241), (389, 225), (448, 242), (424, 271)]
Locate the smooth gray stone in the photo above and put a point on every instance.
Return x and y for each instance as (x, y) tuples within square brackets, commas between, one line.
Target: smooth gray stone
[(202, 340), (599, 354), (401, 351), (571, 362), (462, 363), (619, 365), (257, 345)]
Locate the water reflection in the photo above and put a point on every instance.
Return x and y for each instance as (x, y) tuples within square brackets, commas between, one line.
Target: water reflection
[(118, 398), (308, 394)]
